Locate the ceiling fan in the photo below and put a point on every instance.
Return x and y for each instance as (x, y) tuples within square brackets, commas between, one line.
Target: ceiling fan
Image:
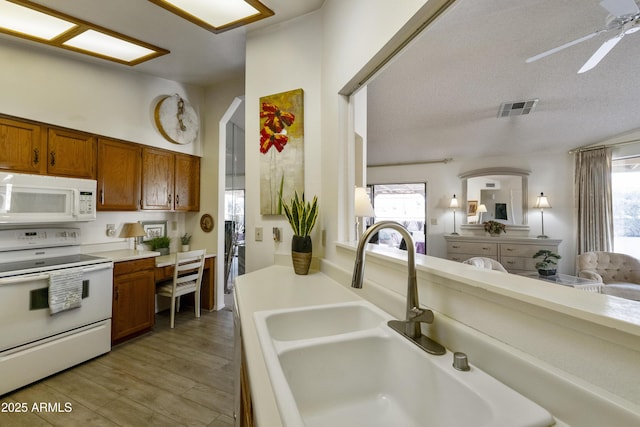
[(624, 18)]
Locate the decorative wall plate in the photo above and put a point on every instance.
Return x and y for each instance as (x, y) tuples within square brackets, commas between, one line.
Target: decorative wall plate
[(206, 223), (176, 119)]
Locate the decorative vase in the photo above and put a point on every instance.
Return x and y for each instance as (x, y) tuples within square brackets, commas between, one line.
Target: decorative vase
[(301, 253), (185, 248), (546, 273)]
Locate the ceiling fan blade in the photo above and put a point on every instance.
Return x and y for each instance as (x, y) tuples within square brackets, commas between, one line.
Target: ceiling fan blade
[(564, 46), (600, 53), (620, 7)]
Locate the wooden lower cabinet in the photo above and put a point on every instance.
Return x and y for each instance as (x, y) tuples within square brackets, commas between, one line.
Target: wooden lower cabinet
[(133, 309)]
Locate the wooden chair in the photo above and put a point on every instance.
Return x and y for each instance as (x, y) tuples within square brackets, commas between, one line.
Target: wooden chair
[(187, 277)]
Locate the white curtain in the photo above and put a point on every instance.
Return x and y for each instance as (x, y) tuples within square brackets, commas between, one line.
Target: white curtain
[(594, 202)]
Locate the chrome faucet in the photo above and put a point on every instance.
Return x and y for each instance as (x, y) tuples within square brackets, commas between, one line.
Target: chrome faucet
[(410, 328)]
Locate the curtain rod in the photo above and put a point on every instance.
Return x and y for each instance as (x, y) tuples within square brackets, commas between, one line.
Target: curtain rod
[(595, 147), (426, 162)]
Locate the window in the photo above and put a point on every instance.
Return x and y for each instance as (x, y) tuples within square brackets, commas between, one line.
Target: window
[(625, 182), (403, 203)]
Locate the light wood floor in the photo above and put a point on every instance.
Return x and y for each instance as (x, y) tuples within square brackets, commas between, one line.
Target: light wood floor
[(169, 377)]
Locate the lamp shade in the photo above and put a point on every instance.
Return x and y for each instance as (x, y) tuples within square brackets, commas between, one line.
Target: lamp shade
[(542, 202), (362, 204), (482, 208), (454, 202), (132, 229)]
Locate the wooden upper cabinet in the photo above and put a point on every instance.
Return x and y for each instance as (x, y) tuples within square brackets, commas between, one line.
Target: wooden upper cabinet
[(119, 172), (157, 179), (187, 183), (22, 146), (71, 153)]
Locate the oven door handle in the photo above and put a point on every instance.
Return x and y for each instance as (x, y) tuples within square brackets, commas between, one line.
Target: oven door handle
[(105, 266), (45, 276), (25, 278)]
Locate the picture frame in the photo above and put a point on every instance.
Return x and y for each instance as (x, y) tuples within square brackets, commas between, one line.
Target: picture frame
[(153, 229), (472, 207)]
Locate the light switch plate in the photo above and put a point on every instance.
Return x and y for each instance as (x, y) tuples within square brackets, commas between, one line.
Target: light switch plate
[(258, 234)]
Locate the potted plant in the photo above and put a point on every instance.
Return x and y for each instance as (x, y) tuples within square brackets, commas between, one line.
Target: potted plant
[(547, 266), (160, 244), (302, 217), (494, 228), (185, 240)]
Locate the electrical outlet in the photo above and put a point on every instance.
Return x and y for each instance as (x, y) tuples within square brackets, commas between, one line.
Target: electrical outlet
[(434, 221), (277, 234), (111, 230), (258, 234)]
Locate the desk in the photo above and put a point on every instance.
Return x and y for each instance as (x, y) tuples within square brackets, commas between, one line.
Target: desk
[(571, 281), (164, 272)]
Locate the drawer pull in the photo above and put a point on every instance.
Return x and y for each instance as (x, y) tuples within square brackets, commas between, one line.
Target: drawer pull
[(455, 247)]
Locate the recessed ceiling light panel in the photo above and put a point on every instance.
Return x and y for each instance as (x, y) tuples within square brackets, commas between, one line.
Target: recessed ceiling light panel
[(217, 15), (95, 42), (32, 21)]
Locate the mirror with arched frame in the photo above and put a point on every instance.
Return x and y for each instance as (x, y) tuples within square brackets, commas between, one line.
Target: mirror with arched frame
[(502, 191)]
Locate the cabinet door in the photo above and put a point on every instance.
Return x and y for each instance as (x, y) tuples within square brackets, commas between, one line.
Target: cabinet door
[(119, 166), (187, 183), (22, 147), (133, 303), (157, 179), (71, 153)]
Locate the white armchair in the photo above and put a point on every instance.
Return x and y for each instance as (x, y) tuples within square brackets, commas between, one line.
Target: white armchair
[(619, 273)]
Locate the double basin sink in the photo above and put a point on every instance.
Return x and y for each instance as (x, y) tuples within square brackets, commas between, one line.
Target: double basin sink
[(341, 365)]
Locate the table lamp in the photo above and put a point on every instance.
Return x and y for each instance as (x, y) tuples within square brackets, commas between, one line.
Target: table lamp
[(481, 209), (542, 202), (454, 205), (362, 207), (133, 229)]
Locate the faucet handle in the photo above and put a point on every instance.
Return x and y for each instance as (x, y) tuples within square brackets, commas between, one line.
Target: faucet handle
[(421, 315)]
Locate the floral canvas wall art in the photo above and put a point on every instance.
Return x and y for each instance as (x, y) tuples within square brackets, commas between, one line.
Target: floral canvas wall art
[(281, 149)]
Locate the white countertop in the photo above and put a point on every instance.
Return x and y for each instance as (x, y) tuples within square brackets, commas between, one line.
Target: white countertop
[(125, 254), (276, 287), (167, 260)]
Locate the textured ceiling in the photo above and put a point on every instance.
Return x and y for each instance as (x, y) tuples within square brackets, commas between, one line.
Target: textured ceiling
[(440, 98)]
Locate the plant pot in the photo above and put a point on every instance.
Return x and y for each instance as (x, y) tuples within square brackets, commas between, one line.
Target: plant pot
[(301, 253), (163, 251), (185, 248), (546, 273)]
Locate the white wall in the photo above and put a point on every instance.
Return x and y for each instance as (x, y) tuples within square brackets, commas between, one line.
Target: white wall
[(551, 174), (320, 53), (294, 63), (101, 99)]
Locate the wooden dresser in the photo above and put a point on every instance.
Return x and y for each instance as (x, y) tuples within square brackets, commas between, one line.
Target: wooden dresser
[(515, 253)]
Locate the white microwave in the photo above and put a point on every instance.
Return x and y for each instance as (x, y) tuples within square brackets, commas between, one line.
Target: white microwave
[(28, 199)]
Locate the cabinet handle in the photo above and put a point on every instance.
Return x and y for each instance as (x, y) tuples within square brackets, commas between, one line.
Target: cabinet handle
[(53, 158), (485, 249), (455, 247), (169, 199), (116, 293), (36, 156), (509, 250), (102, 197), (177, 200)]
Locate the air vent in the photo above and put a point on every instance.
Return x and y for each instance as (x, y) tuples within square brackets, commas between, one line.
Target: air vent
[(517, 108)]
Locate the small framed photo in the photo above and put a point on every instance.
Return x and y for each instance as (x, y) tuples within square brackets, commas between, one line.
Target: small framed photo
[(472, 207), (153, 229)]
